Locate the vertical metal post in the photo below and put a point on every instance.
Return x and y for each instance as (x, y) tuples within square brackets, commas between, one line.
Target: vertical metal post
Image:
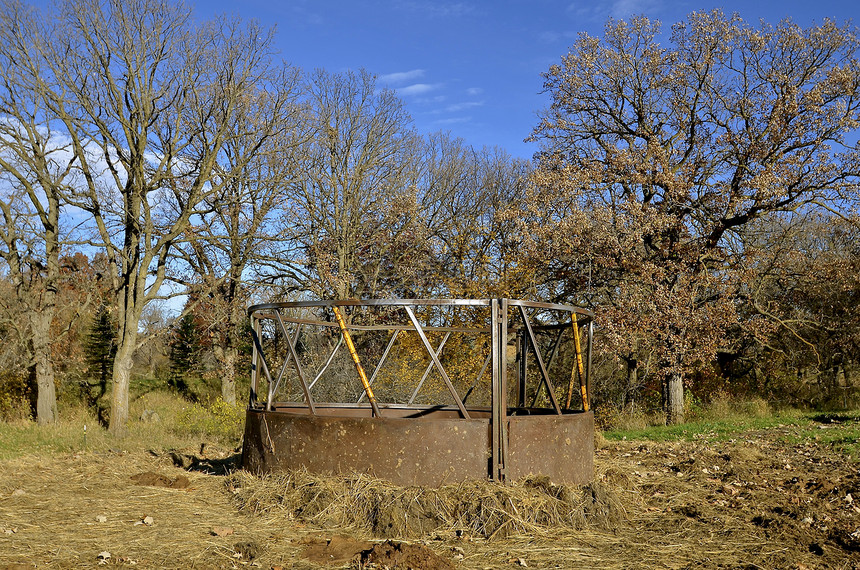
[(523, 369), (495, 419), (255, 365), (503, 388), (588, 369)]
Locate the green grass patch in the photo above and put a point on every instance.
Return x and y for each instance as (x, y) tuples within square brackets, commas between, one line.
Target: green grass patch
[(708, 429), (840, 431)]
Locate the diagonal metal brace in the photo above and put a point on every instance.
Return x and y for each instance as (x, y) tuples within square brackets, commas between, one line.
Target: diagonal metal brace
[(436, 361), (539, 358)]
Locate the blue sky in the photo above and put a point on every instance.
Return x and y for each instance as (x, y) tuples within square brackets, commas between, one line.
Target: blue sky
[(473, 67)]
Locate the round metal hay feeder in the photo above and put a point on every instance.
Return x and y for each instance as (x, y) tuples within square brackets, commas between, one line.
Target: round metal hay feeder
[(417, 391)]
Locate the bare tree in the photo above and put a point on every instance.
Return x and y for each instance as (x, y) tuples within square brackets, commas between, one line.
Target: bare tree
[(466, 196), (224, 245), (148, 101), (35, 165), (675, 148), (351, 218)]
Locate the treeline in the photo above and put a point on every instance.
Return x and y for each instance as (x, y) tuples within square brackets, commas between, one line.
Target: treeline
[(700, 197)]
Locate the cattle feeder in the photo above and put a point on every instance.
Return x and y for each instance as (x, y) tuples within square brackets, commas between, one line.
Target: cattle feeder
[(421, 391)]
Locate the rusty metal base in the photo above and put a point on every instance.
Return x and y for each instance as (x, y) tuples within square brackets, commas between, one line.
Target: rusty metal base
[(421, 447)]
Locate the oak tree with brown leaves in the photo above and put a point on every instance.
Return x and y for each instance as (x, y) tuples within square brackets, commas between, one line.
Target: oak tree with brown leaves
[(654, 156)]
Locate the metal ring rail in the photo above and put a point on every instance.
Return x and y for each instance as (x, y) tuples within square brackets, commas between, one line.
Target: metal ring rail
[(312, 406)]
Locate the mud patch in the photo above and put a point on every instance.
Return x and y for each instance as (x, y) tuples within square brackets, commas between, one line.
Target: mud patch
[(337, 549), (401, 556), (151, 479)]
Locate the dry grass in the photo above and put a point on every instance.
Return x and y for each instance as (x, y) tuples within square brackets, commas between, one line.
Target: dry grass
[(68, 509), (768, 497), (361, 503)]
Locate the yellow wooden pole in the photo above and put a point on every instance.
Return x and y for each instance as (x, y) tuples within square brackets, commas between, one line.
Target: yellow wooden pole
[(579, 364), (578, 368), (361, 374)]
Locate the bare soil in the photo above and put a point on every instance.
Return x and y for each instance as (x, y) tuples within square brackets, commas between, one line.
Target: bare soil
[(767, 499)]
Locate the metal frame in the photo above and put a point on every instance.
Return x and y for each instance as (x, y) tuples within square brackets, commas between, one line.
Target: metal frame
[(505, 316)]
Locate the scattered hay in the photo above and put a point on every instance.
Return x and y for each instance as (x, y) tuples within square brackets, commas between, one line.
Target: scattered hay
[(483, 509)]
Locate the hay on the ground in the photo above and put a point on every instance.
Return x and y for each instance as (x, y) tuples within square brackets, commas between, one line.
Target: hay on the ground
[(484, 509)]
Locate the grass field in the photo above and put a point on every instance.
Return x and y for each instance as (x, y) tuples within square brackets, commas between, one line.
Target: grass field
[(733, 489)]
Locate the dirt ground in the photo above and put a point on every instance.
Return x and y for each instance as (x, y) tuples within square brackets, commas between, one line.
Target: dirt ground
[(767, 499)]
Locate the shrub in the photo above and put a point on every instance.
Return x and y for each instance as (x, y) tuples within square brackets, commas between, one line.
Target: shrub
[(218, 419), (15, 397)]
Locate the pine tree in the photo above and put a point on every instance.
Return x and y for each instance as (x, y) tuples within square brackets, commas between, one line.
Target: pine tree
[(184, 353), (100, 348)]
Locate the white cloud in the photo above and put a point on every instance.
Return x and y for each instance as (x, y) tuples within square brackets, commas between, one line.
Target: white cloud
[(457, 107), (453, 121), (401, 76), (417, 89), (431, 100), (474, 91), (617, 9), (437, 9)]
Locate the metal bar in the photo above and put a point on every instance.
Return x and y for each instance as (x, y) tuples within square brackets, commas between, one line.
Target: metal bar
[(577, 359), (552, 356), (415, 302), (359, 368), (255, 367), (327, 362), (382, 406), (578, 347), (522, 369), (375, 327), (277, 386), (429, 368), (298, 365), (568, 400), (495, 399), (551, 306), (379, 364), (503, 389), (554, 351), (376, 303), (539, 358), (439, 367), (256, 338), (283, 371), (588, 369)]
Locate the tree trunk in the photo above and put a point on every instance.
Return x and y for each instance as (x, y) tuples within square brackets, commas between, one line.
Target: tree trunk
[(632, 383), (122, 365), (227, 356), (46, 398), (674, 405)]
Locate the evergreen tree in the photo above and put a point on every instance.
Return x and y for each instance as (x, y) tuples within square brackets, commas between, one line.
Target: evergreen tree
[(100, 348), (184, 353)]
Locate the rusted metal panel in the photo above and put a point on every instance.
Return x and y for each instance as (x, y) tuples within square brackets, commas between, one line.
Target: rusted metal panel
[(560, 447), (412, 444), (432, 451), (429, 452)]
